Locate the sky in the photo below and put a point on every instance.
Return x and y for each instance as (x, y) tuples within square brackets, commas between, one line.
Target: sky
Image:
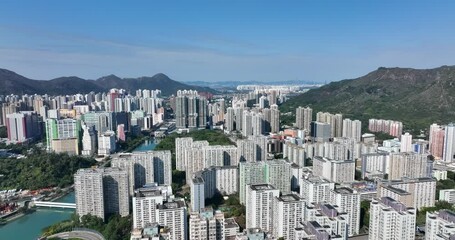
[(316, 41)]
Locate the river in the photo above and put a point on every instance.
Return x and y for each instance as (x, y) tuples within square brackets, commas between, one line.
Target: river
[(29, 227), (147, 145)]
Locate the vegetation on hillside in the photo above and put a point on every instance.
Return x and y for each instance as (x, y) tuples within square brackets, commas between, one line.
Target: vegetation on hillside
[(40, 170), (415, 97), (13, 83), (116, 227)]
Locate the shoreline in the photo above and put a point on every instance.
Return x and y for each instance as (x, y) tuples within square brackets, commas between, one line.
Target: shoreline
[(18, 214)]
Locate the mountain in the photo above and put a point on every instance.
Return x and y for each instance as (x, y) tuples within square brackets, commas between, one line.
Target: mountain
[(417, 97), (234, 84), (13, 83)]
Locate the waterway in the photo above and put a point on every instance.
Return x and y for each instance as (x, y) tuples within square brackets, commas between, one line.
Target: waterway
[(30, 226), (147, 145)]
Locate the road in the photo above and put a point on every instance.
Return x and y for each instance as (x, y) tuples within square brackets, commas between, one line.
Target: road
[(84, 235)]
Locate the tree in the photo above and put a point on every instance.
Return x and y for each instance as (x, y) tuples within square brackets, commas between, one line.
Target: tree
[(364, 214), (3, 132)]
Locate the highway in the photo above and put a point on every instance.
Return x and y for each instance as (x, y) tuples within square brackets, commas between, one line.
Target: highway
[(84, 235)]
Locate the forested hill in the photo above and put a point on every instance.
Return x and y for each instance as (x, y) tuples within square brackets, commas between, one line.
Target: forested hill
[(417, 97), (13, 83)]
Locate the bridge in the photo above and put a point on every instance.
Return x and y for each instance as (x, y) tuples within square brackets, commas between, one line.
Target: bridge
[(54, 204)]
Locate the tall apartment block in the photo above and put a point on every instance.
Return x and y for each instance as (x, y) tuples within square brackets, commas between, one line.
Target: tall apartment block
[(390, 219), (22, 127), (145, 202), (101, 191), (440, 225), (334, 170), (303, 118), (327, 219), (316, 189), (145, 167), (62, 135), (173, 215), (207, 225), (449, 144), (190, 110), (352, 129), (259, 206), (348, 201), (436, 141), (287, 214), (416, 193)]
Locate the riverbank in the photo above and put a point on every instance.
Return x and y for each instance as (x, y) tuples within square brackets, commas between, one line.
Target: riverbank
[(20, 213), (30, 226)]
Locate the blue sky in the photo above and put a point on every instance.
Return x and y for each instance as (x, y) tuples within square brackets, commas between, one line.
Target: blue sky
[(319, 41)]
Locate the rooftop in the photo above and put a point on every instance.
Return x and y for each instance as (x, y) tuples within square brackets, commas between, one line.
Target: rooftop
[(344, 190), (259, 187), (397, 190), (289, 198)]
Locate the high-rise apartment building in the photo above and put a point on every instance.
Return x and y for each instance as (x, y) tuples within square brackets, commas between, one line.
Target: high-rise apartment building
[(316, 189), (334, 170), (440, 225), (145, 167), (278, 174), (173, 216), (418, 192), (436, 141), (275, 119), (335, 121), (259, 206), (320, 132), (62, 129), (88, 140), (145, 202), (252, 149), (197, 187), (287, 214), (190, 110), (101, 191), (449, 144), (406, 143), (352, 129), (106, 143), (22, 127), (390, 219), (447, 195), (330, 217), (410, 165), (303, 118), (207, 225), (348, 201), (229, 122)]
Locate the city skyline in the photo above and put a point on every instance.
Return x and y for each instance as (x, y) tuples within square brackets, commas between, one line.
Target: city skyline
[(235, 41)]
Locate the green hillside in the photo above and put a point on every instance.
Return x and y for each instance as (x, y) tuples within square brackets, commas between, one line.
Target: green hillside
[(417, 97)]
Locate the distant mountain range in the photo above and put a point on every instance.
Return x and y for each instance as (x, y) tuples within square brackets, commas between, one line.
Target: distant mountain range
[(417, 97), (233, 84), (13, 83)]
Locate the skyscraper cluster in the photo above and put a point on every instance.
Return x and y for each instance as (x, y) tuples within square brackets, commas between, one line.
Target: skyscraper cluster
[(391, 127), (190, 110)]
